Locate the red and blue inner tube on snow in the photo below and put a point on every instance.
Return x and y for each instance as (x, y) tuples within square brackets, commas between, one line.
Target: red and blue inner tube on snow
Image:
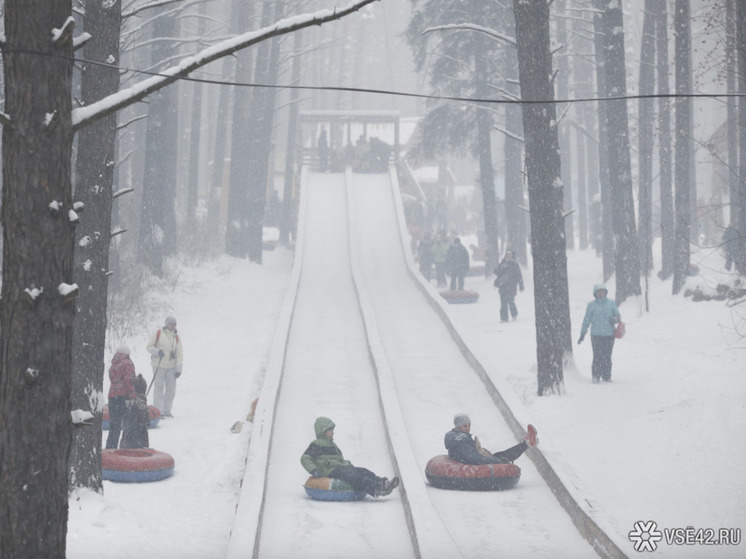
[(445, 473), (136, 465)]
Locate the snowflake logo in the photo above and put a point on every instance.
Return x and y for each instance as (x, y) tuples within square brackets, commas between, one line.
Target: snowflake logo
[(645, 536)]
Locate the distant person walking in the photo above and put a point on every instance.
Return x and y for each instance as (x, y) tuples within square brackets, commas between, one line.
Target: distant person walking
[(508, 278), (122, 390), (457, 264), (425, 255), (323, 147), (601, 315), (730, 242), (165, 348), (440, 251)]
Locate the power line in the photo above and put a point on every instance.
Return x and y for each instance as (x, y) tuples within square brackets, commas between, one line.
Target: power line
[(396, 93)]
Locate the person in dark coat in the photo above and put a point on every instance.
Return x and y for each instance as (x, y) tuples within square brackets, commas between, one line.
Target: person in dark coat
[(323, 147), (425, 255), (323, 458), (122, 389), (137, 419), (457, 264), (464, 448), (508, 278), (730, 242)]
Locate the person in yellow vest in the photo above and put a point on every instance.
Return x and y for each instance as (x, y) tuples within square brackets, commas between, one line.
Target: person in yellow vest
[(165, 348)]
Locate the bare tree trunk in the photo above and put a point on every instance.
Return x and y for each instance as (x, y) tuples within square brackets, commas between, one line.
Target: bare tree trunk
[(486, 171), (738, 192), (607, 226), (565, 132), (260, 142), (36, 316), (667, 224), (731, 54), (515, 218), (683, 135), (158, 215), (288, 199), (627, 265), (545, 193), (192, 232), (645, 132), (94, 179), (238, 195)]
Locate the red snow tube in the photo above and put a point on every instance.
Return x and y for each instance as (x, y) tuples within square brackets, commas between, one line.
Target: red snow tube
[(455, 297), (155, 417), (136, 465), (445, 473)]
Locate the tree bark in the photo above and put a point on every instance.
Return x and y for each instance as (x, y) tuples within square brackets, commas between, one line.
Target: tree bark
[(738, 192), (683, 135), (545, 193), (627, 264), (486, 170), (515, 217), (645, 133), (608, 244), (664, 142), (236, 235), (287, 222), (38, 237), (94, 180), (158, 215), (260, 142), (565, 132)]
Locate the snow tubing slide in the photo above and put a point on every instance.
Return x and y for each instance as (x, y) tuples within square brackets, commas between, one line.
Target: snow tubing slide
[(136, 465), (331, 489), (155, 417), (455, 297), (445, 473)]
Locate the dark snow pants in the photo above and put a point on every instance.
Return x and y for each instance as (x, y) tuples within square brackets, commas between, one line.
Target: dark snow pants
[(507, 301), (361, 479), (457, 281), (511, 454), (117, 411), (602, 348)]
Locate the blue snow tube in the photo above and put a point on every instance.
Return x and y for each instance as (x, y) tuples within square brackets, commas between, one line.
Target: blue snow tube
[(331, 489)]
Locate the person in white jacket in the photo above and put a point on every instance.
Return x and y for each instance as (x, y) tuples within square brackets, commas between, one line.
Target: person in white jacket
[(165, 348)]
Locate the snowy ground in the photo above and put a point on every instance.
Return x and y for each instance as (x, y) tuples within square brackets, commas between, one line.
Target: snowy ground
[(662, 443)]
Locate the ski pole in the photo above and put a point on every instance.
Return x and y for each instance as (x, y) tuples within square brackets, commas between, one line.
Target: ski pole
[(154, 375)]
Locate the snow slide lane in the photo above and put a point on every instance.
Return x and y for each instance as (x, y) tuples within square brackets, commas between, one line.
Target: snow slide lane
[(433, 382), (365, 348)]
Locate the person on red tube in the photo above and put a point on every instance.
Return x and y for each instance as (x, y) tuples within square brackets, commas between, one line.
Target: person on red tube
[(464, 448)]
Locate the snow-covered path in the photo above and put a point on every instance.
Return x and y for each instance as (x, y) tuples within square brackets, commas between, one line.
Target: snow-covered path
[(433, 382), (339, 383)]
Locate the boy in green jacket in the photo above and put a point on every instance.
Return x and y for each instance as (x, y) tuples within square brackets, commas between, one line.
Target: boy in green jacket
[(323, 458)]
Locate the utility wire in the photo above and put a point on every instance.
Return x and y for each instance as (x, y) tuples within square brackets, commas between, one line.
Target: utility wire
[(396, 93)]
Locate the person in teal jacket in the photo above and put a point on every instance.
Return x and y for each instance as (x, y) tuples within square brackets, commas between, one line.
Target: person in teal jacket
[(323, 458), (601, 315)]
